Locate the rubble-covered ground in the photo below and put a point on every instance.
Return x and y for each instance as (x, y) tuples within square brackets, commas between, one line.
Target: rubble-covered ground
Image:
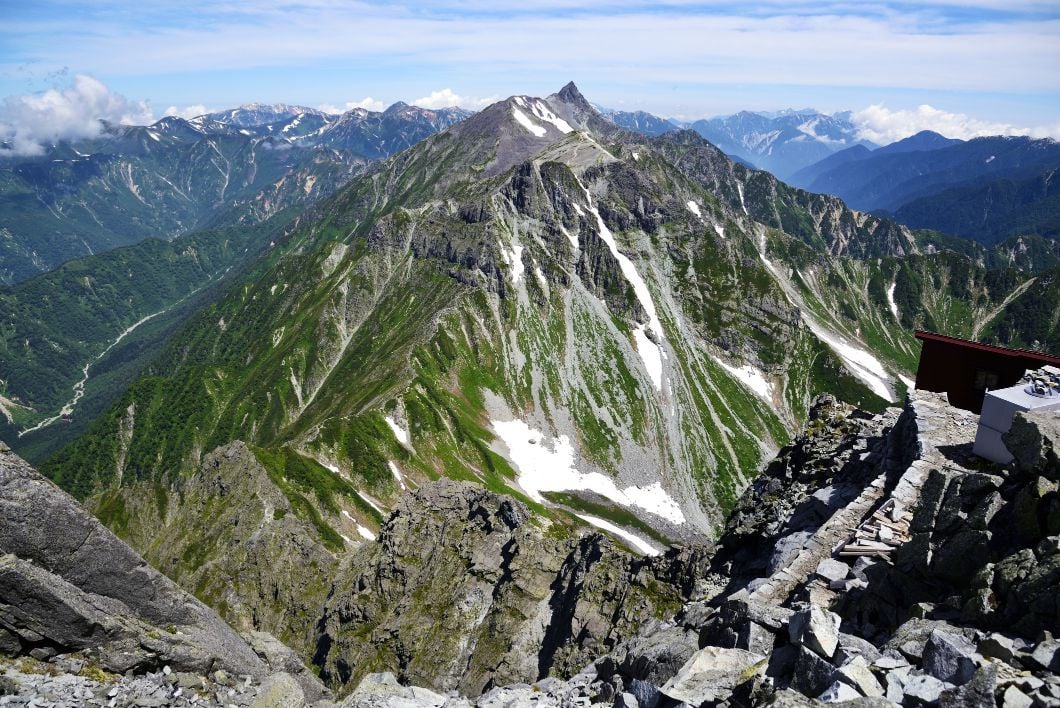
[(960, 610)]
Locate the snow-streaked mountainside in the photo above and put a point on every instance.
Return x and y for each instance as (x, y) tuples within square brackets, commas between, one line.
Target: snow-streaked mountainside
[(782, 143), (614, 328)]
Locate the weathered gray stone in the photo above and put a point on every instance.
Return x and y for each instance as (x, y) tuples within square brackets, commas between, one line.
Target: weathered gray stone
[(851, 646), (815, 628), (382, 690), (280, 658), (658, 655), (72, 582), (626, 700), (976, 693), (712, 673), (856, 672), (279, 691), (1015, 698), (839, 693), (949, 657), (832, 570), (926, 689), (1046, 655), (998, 646), (647, 694), (812, 674)]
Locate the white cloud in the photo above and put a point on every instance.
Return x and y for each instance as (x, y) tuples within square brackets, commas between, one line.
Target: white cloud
[(188, 112), (33, 121), (882, 125), (446, 98), (367, 103)]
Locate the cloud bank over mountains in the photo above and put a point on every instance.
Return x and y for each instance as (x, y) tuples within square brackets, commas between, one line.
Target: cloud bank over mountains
[(31, 122), (882, 125)]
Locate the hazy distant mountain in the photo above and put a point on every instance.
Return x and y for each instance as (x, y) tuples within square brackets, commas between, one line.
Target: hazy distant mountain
[(986, 189), (252, 115), (639, 121), (782, 142)]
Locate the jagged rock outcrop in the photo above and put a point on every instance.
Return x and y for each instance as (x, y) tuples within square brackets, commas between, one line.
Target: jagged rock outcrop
[(68, 584), (465, 591), (897, 627)]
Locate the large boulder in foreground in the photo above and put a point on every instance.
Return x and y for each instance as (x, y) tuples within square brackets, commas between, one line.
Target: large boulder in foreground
[(67, 584)]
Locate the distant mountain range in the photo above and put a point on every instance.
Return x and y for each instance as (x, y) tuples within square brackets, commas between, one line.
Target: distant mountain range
[(782, 143), (985, 189), (238, 166)]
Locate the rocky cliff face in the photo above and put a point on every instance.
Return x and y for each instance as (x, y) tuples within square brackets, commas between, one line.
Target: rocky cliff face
[(79, 608), (464, 591)]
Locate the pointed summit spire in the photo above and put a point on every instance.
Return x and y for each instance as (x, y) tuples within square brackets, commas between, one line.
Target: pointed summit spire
[(570, 94)]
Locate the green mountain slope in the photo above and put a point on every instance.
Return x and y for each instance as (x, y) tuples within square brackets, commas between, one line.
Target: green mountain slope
[(586, 318)]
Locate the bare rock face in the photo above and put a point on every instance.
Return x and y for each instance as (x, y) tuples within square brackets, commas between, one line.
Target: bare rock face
[(464, 591), (67, 584)]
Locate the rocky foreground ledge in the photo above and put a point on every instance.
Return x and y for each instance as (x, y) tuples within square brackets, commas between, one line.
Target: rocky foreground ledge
[(958, 608), (875, 561)]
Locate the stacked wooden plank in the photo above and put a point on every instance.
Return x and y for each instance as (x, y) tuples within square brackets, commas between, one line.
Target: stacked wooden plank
[(880, 533)]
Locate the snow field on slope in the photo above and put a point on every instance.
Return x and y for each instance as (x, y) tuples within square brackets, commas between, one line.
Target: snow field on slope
[(890, 299), (365, 532), (527, 123), (547, 465), (751, 377), (636, 541), (400, 433), (542, 111), (397, 475)]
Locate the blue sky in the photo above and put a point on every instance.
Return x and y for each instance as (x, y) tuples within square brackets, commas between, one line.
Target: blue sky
[(987, 66)]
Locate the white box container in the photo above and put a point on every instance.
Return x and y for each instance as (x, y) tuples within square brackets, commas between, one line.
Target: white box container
[(999, 407)]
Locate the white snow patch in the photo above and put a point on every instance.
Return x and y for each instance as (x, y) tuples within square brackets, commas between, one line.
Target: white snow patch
[(331, 466), (636, 156), (397, 475), (547, 465), (751, 377), (372, 503), (890, 299), (530, 125), (514, 259), (694, 208), (542, 111), (865, 366), (366, 533), (739, 190), (649, 352), (989, 159), (909, 383), (400, 433), (154, 136), (347, 539), (640, 289), (636, 541)]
